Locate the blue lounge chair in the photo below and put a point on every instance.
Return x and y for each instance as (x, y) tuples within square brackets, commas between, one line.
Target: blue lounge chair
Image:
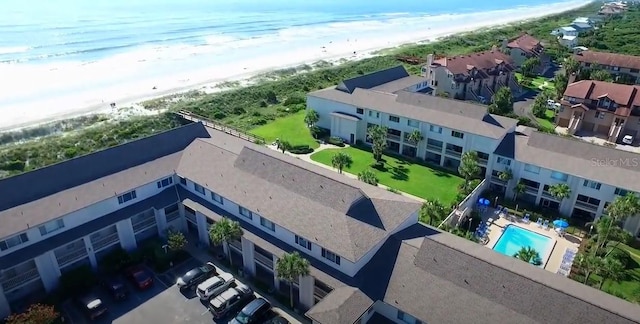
[(539, 222), (545, 225)]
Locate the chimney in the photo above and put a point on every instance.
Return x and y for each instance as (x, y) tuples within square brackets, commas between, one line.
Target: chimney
[(572, 78), (429, 59)]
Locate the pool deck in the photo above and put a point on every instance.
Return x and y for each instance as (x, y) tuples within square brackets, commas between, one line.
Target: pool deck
[(561, 244)]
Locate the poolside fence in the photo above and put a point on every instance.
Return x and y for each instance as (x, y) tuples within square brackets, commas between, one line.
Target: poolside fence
[(466, 206)]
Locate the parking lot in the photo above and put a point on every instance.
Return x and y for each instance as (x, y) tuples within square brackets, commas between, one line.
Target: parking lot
[(161, 303)]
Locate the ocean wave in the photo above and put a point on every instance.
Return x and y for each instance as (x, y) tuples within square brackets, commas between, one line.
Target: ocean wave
[(14, 49)]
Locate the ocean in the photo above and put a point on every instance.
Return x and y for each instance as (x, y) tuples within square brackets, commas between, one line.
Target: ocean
[(57, 56)]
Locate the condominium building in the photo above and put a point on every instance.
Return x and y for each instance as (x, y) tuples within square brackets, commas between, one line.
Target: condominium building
[(475, 76), (371, 261), (525, 47), (609, 109), (595, 174), (621, 66)]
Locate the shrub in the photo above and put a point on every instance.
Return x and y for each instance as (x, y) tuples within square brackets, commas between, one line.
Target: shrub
[(337, 141), (319, 132), (116, 261), (368, 176), (295, 98), (524, 121), (37, 314), (176, 241), (378, 165), (300, 149)]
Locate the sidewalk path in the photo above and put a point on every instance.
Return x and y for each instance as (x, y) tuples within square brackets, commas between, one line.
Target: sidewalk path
[(204, 256)]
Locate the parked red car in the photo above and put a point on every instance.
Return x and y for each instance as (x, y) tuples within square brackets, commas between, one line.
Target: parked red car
[(139, 276)]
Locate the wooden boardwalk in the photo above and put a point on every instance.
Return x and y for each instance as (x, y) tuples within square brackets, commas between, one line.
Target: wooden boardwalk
[(221, 127)]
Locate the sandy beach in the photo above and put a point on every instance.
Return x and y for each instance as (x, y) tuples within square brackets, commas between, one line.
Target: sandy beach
[(33, 94)]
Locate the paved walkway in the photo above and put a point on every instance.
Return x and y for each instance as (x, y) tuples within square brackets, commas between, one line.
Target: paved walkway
[(204, 256), (307, 158)]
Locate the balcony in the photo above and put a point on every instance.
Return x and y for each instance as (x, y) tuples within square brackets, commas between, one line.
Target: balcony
[(20, 279), (531, 190), (71, 256), (435, 148), (236, 245), (144, 224), (265, 261), (496, 179), (483, 161), (548, 195), (586, 206), (453, 153), (393, 137), (172, 216), (191, 217), (103, 241)]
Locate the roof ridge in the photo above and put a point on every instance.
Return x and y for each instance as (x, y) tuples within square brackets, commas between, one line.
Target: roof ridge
[(520, 275)]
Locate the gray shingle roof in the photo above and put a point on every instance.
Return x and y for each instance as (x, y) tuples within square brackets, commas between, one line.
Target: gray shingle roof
[(313, 202), (368, 81), (579, 158), (454, 114), (341, 306), (400, 84)]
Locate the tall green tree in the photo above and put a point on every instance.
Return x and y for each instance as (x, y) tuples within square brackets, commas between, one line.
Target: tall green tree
[(561, 191), (571, 65), (469, 168), (560, 83), (506, 175), (588, 264), (311, 117), (529, 66), (415, 137), (283, 145), (378, 136), (432, 212), (620, 208), (527, 254), (518, 190), (502, 102), (601, 75), (540, 105), (225, 231), (611, 269), (290, 267), (341, 160)]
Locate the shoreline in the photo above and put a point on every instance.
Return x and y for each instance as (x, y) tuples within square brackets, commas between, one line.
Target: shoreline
[(247, 77)]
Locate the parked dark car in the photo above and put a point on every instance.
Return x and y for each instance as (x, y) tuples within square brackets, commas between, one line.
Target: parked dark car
[(277, 320), (91, 305), (139, 276), (197, 275), (255, 312), (116, 288)]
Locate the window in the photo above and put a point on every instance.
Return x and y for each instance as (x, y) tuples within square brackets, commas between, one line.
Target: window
[(413, 123), (457, 134), (267, 224), (245, 212), (621, 192), (217, 198), (374, 114), (183, 181), (559, 176), (394, 119), (592, 184), (127, 196), (13, 241), (303, 242), (359, 111), (165, 182), (615, 68), (51, 227), (198, 188), (504, 161), (532, 168), (330, 256), (599, 114), (435, 129), (482, 156)]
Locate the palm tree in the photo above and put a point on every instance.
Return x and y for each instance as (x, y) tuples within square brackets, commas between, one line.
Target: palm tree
[(378, 136), (432, 212), (311, 118), (341, 160), (505, 175), (561, 191), (290, 267), (611, 269), (571, 65), (415, 137), (469, 168), (225, 231), (588, 264), (621, 208), (368, 176), (519, 189), (283, 145), (527, 254)]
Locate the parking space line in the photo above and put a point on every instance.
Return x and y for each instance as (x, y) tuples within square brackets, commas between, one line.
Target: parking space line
[(205, 313)]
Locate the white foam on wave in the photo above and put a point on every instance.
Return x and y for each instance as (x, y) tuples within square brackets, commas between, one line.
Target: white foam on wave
[(14, 49), (34, 92)]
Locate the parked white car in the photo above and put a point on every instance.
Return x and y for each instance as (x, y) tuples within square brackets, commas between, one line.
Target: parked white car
[(627, 139), (215, 285)]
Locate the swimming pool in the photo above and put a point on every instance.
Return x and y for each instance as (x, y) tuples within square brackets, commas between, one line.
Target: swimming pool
[(514, 238)]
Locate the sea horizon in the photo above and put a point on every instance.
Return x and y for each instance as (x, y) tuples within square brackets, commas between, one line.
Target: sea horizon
[(68, 56)]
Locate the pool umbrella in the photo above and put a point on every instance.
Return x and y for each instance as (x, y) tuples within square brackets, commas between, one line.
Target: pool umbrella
[(486, 201), (560, 223)]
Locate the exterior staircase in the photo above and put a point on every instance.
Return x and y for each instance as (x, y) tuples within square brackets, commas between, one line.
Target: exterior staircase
[(614, 132), (574, 123), (474, 95), (489, 92)]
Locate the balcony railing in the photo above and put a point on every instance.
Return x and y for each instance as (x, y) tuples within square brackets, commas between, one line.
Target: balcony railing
[(11, 283), (453, 153), (497, 179), (434, 148), (483, 161), (236, 245), (319, 292), (587, 206), (191, 217), (393, 137), (172, 216), (548, 195), (144, 224), (71, 257), (263, 260), (530, 189), (103, 241)]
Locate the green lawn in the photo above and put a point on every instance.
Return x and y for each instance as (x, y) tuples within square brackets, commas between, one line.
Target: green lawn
[(538, 83), (413, 178), (291, 128), (629, 287), (548, 121)]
